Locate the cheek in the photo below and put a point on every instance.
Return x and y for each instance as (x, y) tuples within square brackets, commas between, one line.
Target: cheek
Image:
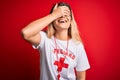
[(68, 24)]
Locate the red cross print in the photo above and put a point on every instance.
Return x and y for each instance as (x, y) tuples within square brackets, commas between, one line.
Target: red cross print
[(60, 64)]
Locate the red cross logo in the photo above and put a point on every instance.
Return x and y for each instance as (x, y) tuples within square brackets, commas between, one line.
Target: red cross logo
[(60, 64)]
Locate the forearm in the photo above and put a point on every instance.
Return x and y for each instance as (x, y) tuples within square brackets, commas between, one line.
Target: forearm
[(80, 79), (81, 75), (36, 26)]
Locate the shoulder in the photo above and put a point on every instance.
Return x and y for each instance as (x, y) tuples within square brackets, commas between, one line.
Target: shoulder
[(45, 38), (43, 33), (76, 44), (79, 47)]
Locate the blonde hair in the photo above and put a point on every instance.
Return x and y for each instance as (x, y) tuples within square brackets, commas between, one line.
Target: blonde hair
[(73, 31)]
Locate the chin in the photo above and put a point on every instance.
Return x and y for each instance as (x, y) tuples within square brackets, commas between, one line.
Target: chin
[(63, 27)]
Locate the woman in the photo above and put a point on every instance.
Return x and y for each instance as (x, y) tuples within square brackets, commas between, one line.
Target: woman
[(60, 46)]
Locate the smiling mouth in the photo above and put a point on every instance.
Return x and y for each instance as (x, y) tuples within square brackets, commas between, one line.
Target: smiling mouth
[(62, 21)]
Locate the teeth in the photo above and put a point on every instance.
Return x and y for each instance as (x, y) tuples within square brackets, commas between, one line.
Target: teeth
[(62, 21)]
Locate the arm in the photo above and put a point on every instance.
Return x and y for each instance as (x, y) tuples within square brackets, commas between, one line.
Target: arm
[(81, 75), (31, 32)]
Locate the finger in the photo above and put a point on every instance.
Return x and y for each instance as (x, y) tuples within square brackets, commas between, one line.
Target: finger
[(66, 13)]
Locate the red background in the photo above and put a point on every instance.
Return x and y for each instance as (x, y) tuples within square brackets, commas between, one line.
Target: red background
[(99, 25)]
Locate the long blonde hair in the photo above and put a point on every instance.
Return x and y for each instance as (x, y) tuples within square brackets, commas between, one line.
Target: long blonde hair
[(73, 31)]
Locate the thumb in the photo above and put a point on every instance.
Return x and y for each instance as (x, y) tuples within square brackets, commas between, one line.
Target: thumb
[(55, 7)]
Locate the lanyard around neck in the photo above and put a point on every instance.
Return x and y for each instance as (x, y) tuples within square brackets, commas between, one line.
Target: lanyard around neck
[(56, 46), (60, 64)]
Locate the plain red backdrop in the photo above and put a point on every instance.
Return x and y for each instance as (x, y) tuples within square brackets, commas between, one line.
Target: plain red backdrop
[(99, 25)]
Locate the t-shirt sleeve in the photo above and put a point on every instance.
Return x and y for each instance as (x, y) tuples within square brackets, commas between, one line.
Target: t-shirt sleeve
[(42, 41), (82, 60)]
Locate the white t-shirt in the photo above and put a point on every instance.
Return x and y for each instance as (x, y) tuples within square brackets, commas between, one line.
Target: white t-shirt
[(75, 58)]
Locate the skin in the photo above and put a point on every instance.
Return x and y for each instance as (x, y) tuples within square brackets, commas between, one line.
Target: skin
[(81, 75), (31, 32)]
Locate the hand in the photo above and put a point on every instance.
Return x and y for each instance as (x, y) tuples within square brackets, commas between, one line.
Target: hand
[(60, 11)]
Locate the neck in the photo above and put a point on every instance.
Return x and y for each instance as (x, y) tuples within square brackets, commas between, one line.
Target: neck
[(62, 35)]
